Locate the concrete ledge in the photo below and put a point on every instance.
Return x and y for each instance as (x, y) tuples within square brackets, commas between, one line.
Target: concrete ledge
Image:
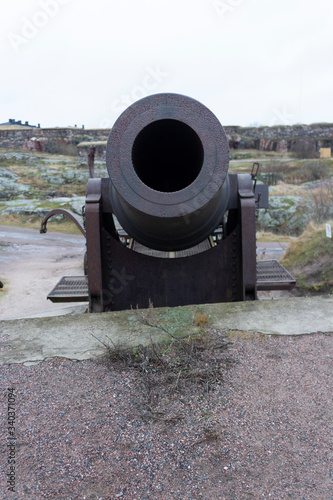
[(292, 316), (33, 340)]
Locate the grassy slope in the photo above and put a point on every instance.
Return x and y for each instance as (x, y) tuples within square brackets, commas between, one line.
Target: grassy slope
[(310, 260)]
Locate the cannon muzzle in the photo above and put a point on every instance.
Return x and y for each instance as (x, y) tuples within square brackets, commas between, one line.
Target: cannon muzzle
[(167, 158)]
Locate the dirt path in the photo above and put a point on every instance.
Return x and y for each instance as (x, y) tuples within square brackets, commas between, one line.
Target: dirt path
[(31, 264)]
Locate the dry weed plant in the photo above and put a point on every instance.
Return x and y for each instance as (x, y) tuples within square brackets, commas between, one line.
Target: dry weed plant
[(321, 199), (167, 369)]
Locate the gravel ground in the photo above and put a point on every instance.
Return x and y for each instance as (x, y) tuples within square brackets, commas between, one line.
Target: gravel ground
[(88, 430)]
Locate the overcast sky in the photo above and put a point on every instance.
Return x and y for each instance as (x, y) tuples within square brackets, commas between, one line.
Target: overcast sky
[(67, 62)]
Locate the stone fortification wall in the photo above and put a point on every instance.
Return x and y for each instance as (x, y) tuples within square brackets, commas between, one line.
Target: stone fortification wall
[(281, 138), (287, 132), (65, 140), (53, 140)]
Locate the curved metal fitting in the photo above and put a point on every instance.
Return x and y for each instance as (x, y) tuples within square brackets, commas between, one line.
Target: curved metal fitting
[(61, 211)]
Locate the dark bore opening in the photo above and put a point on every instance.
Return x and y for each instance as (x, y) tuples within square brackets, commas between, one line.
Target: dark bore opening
[(167, 155)]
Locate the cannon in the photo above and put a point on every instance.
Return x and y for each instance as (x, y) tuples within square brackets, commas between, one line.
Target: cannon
[(170, 225)]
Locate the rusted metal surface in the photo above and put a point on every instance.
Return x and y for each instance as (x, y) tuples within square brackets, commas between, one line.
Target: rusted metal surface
[(167, 158), (260, 190), (248, 236), (61, 211), (70, 289), (222, 273), (271, 275), (91, 161), (202, 247), (93, 226), (261, 195), (254, 174), (130, 278)]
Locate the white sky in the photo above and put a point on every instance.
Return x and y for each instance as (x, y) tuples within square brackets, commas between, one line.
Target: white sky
[(67, 62)]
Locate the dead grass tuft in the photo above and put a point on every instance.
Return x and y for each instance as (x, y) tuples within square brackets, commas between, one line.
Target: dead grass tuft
[(171, 367), (201, 320), (265, 237), (309, 258), (33, 222), (309, 247), (296, 172)]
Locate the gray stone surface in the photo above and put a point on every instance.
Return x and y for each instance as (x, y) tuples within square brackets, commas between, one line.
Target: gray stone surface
[(74, 337), (9, 187), (289, 213), (24, 207), (41, 207), (292, 316)]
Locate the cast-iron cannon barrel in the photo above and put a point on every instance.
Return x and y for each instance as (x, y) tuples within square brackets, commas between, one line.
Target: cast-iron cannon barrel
[(169, 187), (167, 157)]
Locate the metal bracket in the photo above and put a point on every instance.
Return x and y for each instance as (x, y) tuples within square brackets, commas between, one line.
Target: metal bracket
[(61, 211), (254, 174), (91, 161), (248, 236), (93, 229)]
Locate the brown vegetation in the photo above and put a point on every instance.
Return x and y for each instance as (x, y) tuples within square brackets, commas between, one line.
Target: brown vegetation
[(310, 259)]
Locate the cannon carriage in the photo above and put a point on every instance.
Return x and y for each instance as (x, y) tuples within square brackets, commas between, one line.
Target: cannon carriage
[(170, 225)]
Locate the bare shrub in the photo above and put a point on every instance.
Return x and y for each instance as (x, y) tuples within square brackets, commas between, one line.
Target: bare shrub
[(295, 172), (317, 170), (170, 367), (321, 199), (272, 173)]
